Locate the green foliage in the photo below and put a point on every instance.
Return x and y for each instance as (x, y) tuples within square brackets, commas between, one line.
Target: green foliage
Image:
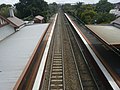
[(28, 9), (87, 7), (88, 16), (4, 10), (104, 18), (78, 9), (53, 8), (90, 12), (22, 10), (104, 6), (67, 8)]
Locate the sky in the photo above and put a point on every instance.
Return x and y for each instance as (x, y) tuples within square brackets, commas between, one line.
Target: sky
[(59, 1)]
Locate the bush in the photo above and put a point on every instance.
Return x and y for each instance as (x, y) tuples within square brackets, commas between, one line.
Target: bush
[(88, 16), (104, 18)]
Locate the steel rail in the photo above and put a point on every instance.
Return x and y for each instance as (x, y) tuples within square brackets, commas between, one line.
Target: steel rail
[(63, 62), (39, 76), (79, 76), (81, 50), (56, 80)]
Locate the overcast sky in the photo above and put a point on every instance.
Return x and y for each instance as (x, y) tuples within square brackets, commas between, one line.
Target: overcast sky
[(58, 1)]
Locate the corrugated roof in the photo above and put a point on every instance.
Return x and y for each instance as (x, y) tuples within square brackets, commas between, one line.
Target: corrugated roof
[(109, 34), (3, 19), (39, 17), (16, 21), (6, 31), (16, 51)]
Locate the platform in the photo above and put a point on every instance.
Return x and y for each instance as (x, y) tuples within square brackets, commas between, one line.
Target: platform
[(15, 52), (109, 34), (107, 74)]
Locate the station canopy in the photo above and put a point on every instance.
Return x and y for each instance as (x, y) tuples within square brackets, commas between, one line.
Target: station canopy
[(16, 51), (109, 34)]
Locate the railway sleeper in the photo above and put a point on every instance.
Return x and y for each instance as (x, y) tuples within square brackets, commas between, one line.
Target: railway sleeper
[(57, 87), (89, 88), (56, 73), (85, 77), (88, 84), (57, 66), (58, 76), (57, 61), (57, 70), (83, 71)]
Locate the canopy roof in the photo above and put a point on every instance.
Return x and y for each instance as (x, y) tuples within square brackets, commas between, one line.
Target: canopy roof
[(109, 34)]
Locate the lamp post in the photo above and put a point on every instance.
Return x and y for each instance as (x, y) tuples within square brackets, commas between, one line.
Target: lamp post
[(95, 22)]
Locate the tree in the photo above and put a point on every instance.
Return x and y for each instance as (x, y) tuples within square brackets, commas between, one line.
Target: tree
[(78, 9), (53, 8), (104, 17), (67, 8), (88, 16), (88, 13), (27, 8), (104, 6), (4, 10)]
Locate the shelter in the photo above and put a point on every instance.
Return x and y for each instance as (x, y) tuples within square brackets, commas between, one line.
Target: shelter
[(109, 34), (38, 19), (12, 20), (116, 21), (16, 22)]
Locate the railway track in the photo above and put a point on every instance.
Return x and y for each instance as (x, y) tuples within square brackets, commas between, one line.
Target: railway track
[(67, 67), (86, 77), (56, 80), (102, 51)]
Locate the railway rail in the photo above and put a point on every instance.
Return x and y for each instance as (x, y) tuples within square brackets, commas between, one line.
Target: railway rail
[(86, 77), (64, 63), (68, 67), (85, 36), (56, 80), (66, 55)]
